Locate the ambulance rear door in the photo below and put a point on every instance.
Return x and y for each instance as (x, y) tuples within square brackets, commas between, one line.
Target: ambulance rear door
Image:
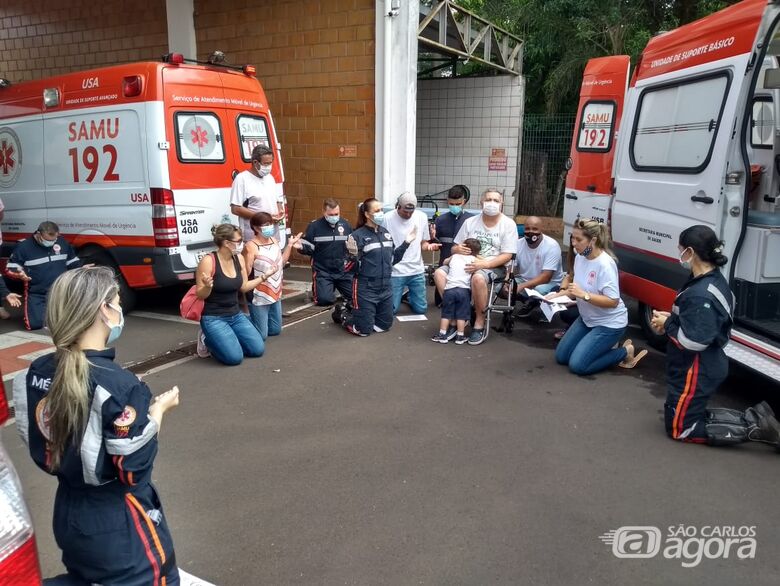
[(681, 112), (199, 162), (589, 180), (249, 125)]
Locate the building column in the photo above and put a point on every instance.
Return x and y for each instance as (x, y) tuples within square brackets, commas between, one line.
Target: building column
[(396, 97), (181, 28)]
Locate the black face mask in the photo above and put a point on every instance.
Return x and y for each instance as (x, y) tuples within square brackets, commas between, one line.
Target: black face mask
[(532, 238)]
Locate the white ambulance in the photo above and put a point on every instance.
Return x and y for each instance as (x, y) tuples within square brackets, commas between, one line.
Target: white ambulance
[(692, 137), (134, 162)]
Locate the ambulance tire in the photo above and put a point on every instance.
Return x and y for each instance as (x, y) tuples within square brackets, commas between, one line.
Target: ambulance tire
[(127, 296), (657, 341)]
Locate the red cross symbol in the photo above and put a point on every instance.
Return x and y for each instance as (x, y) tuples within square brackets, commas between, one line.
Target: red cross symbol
[(7, 157), (199, 137)]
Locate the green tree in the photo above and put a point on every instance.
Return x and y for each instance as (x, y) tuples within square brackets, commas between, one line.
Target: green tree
[(560, 36)]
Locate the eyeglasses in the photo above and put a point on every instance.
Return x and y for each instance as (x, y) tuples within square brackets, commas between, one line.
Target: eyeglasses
[(236, 241)]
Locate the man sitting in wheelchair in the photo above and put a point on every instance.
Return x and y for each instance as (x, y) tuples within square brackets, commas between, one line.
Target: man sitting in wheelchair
[(497, 235)]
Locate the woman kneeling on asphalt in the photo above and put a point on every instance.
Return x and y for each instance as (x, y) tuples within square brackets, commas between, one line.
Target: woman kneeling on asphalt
[(267, 260), (95, 426), (227, 334), (589, 345), (698, 328), (372, 256)]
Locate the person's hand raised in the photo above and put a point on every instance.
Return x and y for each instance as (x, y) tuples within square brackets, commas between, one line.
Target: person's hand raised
[(352, 247)]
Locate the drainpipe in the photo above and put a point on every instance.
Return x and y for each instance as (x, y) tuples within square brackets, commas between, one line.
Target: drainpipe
[(387, 66)]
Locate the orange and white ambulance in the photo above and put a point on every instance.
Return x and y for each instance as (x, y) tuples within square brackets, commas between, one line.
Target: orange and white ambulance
[(691, 137), (134, 162)]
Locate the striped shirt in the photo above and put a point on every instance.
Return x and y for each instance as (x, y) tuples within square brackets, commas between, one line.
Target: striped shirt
[(266, 257)]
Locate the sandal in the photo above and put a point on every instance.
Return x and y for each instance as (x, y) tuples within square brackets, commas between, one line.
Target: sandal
[(634, 360)]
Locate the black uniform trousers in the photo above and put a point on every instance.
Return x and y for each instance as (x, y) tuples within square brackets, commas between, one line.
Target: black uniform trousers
[(372, 305), (325, 285), (34, 310), (692, 378)]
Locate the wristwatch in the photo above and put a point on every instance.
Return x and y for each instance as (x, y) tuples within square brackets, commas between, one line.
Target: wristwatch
[(586, 297)]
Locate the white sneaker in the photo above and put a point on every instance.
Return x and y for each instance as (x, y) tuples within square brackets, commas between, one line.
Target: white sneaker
[(202, 351)]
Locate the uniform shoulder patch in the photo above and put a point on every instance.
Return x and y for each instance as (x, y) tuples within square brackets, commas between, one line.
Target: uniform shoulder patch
[(124, 421), (42, 417)]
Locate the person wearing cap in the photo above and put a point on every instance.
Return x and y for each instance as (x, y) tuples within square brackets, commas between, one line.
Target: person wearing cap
[(325, 241), (447, 225), (38, 261), (409, 273)]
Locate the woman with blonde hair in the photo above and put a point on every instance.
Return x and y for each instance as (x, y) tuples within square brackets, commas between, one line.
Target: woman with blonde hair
[(589, 345), (95, 426), (226, 332)]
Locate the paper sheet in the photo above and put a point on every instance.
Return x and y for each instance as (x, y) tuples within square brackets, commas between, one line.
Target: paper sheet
[(411, 318)]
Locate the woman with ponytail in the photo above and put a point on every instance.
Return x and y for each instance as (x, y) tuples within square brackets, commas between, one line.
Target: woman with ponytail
[(698, 328), (94, 426), (589, 345)]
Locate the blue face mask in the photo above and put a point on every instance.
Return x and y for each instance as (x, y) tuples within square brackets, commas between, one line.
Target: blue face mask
[(456, 210), (115, 331), (379, 218), (267, 231), (332, 220)]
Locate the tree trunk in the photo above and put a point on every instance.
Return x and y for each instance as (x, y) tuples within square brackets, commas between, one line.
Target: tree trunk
[(532, 194)]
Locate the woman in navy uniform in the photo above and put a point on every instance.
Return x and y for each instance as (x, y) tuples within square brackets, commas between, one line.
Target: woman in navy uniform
[(95, 426), (698, 328), (373, 255)]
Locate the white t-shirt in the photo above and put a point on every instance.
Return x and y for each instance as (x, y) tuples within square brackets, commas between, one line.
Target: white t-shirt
[(411, 263), (599, 276), (545, 257), (259, 195), (500, 239), (2, 207), (457, 277)]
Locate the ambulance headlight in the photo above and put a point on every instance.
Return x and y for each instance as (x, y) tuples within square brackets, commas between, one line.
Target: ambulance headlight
[(51, 97)]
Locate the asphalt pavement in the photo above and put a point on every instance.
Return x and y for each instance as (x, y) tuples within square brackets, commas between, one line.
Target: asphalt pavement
[(392, 460)]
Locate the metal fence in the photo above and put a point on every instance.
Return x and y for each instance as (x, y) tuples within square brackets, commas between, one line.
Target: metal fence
[(542, 172)]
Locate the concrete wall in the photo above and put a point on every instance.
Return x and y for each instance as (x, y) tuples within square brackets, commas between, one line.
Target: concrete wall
[(39, 39), (459, 123), (315, 59)]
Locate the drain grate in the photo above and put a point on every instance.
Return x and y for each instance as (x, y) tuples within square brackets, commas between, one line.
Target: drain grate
[(188, 350)]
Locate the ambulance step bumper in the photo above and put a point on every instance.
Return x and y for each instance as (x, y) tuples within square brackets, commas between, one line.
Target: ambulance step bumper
[(746, 350)]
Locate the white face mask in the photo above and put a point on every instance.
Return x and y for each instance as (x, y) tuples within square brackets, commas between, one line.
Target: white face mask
[(237, 248), (491, 208), (686, 264), (263, 170)]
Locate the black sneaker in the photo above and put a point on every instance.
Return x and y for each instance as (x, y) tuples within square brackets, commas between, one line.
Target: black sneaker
[(477, 336), (451, 333), (525, 309), (440, 338), (460, 339), (337, 314)]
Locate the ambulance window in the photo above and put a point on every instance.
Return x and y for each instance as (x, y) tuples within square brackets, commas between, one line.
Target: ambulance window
[(762, 124), (676, 124), (199, 138), (596, 127), (252, 131)]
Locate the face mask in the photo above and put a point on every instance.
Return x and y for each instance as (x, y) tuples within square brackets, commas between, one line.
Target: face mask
[(115, 331), (456, 210), (267, 231), (379, 218), (491, 208), (47, 243), (263, 170), (686, 264), (587, 250), (532, 238), (237, 248), (332, 220)]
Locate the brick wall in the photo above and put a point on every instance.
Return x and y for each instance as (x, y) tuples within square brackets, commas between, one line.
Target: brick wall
[(39, 39), (315, 59)]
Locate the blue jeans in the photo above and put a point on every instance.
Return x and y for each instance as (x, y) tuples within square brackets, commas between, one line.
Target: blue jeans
[(418, 297), (590, 350), (231, 337), (267, 318)]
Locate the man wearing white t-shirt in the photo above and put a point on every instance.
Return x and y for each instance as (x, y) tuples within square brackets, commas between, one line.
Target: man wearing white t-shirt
[(256, 190), (497, 235), (410, 272), (538, 265)]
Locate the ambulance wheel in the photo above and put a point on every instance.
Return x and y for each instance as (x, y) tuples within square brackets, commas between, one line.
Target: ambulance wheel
[(657, 341), (127, 296)]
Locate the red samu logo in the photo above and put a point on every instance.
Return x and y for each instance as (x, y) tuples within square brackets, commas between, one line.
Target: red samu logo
[(10, 157)]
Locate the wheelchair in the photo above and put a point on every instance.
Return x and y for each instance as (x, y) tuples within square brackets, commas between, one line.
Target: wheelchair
[(497, 303)]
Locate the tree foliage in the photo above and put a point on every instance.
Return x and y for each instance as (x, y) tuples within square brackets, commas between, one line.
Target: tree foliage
[(560, 36)]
